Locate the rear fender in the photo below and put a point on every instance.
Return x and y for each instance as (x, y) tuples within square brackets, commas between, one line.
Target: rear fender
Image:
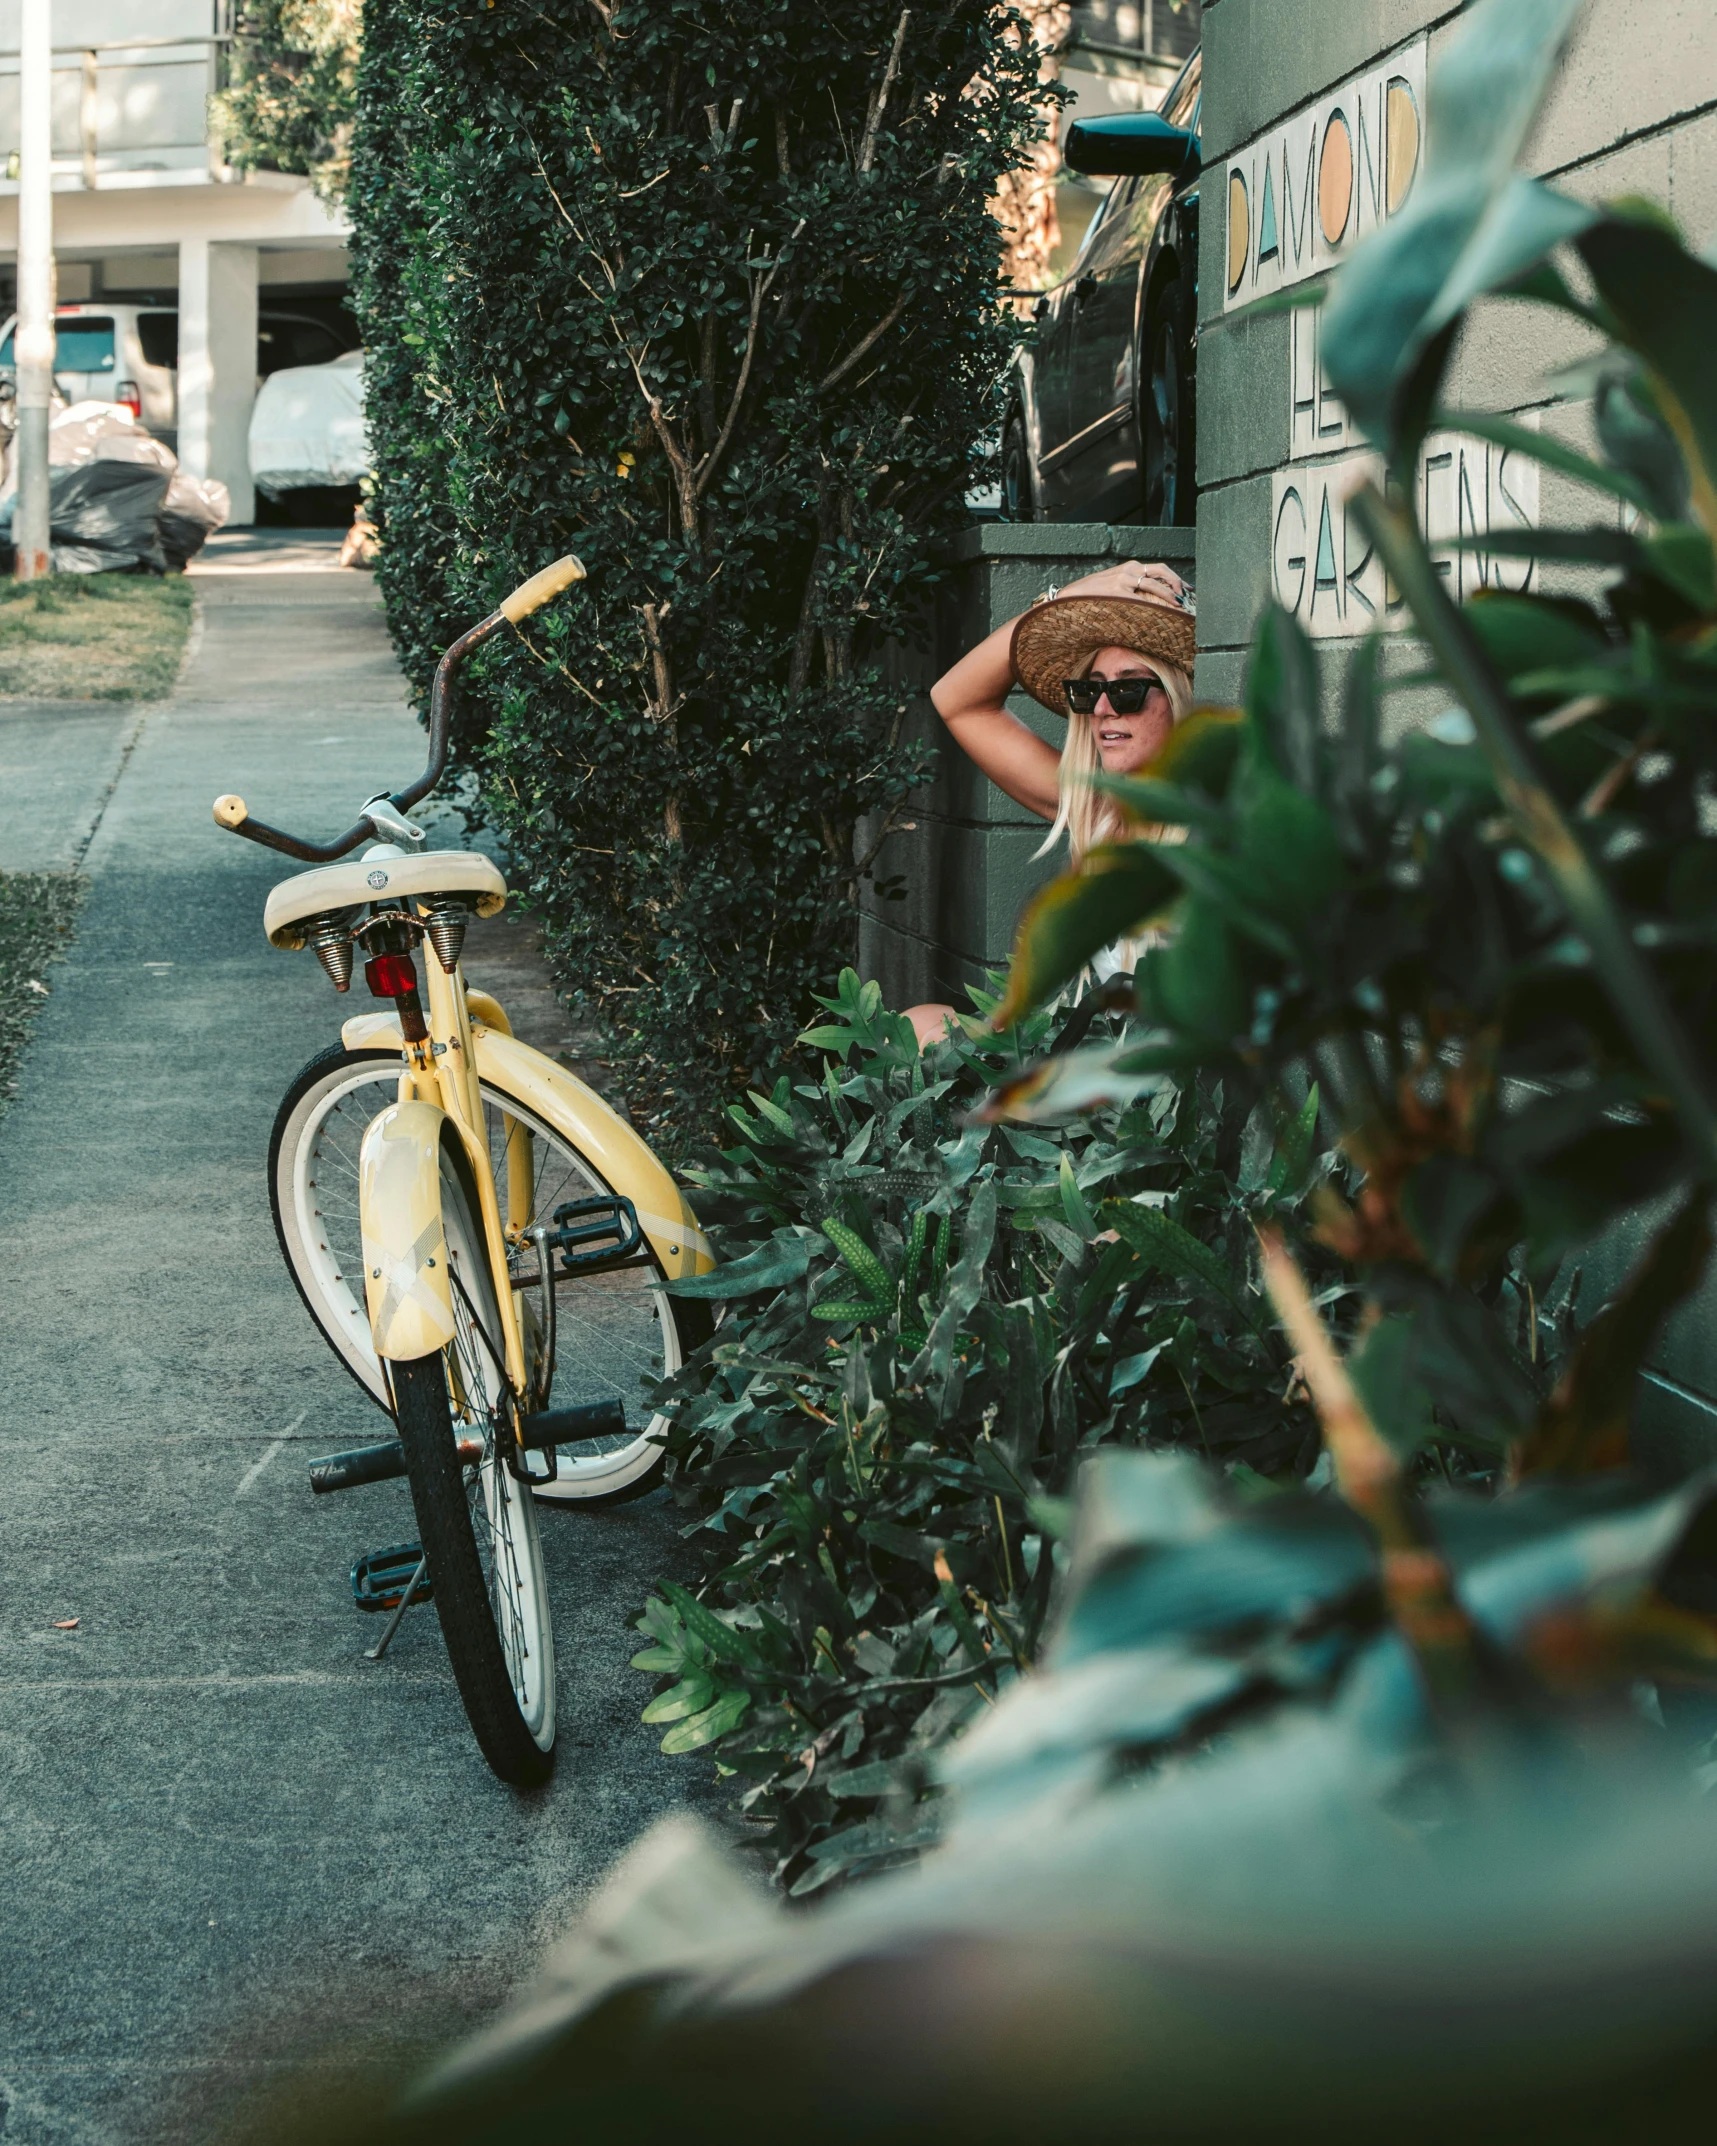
[(562, 1100), (623, 1160), (406, 1288)]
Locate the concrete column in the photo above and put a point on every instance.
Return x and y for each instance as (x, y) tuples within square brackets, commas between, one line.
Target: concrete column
[(217, 365), (34, 338)]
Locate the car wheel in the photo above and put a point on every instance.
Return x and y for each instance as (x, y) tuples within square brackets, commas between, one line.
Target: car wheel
[(1017, 503), (1166, 409)]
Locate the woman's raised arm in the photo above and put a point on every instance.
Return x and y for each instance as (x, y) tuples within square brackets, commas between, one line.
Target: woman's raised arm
[(971, 697)]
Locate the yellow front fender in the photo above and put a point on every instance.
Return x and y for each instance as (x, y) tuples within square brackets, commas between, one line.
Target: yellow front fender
[(406, 1289), (598, 1132)]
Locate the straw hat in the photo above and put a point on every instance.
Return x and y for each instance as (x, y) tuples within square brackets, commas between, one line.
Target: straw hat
[(1057, 640)]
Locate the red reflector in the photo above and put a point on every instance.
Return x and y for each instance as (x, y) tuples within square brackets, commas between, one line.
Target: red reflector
[(391, 976)]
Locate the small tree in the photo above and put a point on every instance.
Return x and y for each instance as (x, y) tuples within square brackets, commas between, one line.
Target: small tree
[(292, 88), (707, 292)]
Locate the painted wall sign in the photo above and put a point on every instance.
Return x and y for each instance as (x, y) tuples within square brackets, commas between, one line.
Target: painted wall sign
[(1300, 196), (1323, 568), (1318, 423)]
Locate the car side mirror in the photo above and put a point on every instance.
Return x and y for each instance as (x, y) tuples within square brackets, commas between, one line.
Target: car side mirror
[(1129, 145)]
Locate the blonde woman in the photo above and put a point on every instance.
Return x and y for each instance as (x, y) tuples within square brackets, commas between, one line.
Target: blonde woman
[(1112, 655)]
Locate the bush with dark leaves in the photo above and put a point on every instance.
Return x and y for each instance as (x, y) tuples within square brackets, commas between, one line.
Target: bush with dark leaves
[(930, 1319)]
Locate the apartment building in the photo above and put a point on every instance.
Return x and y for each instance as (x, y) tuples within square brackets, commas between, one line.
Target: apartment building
[(146, 210)]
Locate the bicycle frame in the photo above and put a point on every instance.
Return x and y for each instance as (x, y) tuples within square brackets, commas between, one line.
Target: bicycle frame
[(563, 1101)]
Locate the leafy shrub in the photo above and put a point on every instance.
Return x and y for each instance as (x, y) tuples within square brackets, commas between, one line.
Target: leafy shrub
[(1481, 957), (291, 90), (707, 292), (929, 1322)]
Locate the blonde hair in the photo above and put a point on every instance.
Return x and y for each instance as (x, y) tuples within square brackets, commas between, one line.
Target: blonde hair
[(1085, 815)]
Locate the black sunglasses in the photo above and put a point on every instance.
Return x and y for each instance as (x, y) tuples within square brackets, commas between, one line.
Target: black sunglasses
[(1126, 695)]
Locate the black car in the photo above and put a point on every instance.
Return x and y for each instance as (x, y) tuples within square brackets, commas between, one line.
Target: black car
[(1100, 426)]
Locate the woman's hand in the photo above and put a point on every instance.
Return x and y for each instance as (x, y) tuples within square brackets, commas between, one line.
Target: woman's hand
[(1148, 578)]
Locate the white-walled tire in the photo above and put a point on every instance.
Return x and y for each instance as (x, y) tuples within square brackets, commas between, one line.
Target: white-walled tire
[(615, 1331)]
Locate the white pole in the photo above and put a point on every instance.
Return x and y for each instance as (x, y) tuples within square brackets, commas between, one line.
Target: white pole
[(35, 332)]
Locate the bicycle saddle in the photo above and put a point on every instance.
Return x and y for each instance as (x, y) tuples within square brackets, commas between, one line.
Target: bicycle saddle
[(384, 875)]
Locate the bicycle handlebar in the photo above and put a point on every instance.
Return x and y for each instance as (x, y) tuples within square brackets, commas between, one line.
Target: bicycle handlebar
[(232, 813)]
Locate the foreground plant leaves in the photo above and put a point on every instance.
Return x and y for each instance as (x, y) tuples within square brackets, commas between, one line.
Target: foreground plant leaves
[(1216, 1858), (1665, 306), (930, 1319), (1077, 916), (1491, 943)]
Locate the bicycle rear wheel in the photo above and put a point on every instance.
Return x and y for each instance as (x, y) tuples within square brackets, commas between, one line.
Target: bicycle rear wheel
[(477, 1522), (616, 1332)]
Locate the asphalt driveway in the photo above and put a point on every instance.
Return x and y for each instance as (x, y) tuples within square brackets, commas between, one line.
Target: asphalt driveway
[(224, 1837)]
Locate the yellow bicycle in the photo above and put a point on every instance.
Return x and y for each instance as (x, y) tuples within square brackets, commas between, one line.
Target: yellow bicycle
[(480, 1238)]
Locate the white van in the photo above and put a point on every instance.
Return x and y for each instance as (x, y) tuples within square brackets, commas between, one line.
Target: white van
[(130, 354), (114, 353)]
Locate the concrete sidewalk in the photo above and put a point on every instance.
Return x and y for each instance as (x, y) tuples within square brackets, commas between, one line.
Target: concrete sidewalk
[(227, 1837)]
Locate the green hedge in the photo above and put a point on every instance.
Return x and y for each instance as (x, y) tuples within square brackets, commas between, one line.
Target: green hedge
[(707, 293)]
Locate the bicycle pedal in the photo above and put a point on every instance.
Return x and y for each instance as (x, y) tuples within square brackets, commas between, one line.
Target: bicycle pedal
[(590, 1234), (381, 1577)]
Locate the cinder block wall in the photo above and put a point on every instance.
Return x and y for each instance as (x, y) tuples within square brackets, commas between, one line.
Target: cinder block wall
[(965, 870), (1634, 111)]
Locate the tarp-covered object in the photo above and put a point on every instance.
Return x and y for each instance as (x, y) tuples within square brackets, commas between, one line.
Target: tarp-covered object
[(117, 498), (307, 427)]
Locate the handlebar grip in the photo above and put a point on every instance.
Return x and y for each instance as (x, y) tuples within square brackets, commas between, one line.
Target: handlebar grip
[(531, 595), (230, 811)]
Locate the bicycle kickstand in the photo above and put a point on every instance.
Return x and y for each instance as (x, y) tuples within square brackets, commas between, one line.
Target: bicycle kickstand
[(375, 1653)]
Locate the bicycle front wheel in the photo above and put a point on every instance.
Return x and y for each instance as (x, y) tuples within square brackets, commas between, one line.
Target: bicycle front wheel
[(476, 1520)]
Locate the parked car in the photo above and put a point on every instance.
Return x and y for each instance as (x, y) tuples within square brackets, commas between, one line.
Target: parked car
[(308, 449), (1100, 425), (130, 354)]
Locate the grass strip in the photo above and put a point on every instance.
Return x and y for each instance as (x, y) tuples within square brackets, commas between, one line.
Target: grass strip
[(92, 636), (38, 913)]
